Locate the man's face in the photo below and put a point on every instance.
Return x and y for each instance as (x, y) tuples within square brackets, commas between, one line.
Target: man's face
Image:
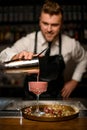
[(50, 25)]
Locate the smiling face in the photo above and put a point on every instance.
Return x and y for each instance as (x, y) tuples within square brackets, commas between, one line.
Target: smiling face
[(50, 25)]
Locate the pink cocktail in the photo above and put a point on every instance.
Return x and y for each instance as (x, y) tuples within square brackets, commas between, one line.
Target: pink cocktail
[(38, 87)]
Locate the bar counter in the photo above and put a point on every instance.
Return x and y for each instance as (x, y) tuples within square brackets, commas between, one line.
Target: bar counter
[(19, 123), (14, 124)]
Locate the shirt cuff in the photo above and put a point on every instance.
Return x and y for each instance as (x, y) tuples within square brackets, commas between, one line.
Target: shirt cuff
[(77, 76)]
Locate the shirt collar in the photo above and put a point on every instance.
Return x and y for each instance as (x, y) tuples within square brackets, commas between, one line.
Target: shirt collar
[(43, 41)]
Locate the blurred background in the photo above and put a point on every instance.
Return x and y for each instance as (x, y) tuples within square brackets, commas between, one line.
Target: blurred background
[(17, 18)]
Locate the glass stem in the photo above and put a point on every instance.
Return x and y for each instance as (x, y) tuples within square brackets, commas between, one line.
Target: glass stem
[(37, 107)]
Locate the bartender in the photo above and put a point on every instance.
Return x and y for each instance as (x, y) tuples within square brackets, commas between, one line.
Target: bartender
[(62, 48)]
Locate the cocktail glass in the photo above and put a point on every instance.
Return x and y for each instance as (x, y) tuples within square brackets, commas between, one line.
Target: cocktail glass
[(38, 87)]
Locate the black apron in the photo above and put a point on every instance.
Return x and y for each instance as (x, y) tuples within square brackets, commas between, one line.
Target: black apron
[(51, 70)]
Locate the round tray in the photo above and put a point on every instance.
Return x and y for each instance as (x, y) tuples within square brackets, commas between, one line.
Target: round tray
[(74, 113)]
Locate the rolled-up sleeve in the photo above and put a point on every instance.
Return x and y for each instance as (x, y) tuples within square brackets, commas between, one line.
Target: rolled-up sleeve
[(80, 57), (6, 55)]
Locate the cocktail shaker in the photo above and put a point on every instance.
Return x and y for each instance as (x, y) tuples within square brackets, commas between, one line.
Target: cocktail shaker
[(47, 66), (19, 66)]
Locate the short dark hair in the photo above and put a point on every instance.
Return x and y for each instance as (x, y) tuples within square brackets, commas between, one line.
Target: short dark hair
[(51, 7)]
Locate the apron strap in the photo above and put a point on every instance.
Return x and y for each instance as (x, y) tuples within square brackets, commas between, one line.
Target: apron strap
[(60, 42), (35, 47)]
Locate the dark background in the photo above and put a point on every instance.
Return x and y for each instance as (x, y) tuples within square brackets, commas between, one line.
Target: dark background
[(26, 2), (7, 90)]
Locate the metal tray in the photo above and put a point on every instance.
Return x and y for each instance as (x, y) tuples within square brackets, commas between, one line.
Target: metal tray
[(19, 103), (74, 113), (4, 103)]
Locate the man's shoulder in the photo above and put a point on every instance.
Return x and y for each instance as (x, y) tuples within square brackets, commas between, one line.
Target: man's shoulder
[(32, 34), (65, 36)]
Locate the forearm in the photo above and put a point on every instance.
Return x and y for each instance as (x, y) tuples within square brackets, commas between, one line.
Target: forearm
[(6, 55)]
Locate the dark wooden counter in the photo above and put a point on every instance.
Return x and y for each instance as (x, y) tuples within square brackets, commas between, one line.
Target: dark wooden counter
[(14, 124), (19, 123)]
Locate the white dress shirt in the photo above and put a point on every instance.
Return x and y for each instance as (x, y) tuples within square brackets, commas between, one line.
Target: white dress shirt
[(71, 49)]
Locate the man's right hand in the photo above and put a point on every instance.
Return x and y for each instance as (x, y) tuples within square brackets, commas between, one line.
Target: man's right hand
[(23, 55), (26, 55)]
